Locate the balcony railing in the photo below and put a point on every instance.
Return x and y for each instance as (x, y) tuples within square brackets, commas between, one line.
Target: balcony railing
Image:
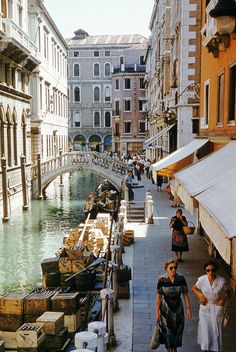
[(209, 29), (115, 112), (13, 31), (129, 69)]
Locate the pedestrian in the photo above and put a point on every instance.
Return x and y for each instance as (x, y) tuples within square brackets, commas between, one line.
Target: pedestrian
[(159, 182), (147, 167), (128, 183), (169, 306), (179, 239), (212, 292)]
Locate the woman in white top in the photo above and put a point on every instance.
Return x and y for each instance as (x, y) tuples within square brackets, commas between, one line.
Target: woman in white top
[(212, 292)]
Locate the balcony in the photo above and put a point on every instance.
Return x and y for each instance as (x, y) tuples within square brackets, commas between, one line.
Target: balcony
[(129, 69), (116, 113), (17, 46), (209, 31)]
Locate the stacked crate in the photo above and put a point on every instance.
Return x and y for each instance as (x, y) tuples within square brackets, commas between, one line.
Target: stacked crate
[(128, 237), (37, 303), (30, 337), (69, 304), (56, 334), (2, 346), (12, 311), (51, 276), (71, 238)]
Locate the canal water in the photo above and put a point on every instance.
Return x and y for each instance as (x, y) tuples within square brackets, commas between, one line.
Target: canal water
[(31, 236)]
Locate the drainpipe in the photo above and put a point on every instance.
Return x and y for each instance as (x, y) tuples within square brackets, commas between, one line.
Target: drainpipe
[(4, 190), (24, 183), (40, 196)]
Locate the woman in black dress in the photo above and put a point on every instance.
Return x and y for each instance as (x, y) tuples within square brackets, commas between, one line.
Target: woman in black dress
[(169, 306), (179, 239)]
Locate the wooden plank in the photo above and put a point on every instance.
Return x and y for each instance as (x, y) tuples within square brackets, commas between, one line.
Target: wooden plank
[(53, 321)]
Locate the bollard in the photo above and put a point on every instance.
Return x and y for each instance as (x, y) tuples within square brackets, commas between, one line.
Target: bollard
[(107, 314), (99, 327), (149, 215), (86, 339)]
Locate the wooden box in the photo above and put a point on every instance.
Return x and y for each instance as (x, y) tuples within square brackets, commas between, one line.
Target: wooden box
[(123, 290), (13, 303), (67, 241), (72, 321), (65, 265), (74, 252), (77, 265), (30, 335), (31, 318), (10, 322), (49, 265), (65, 302), (53, 322), (9, 339), (129, 236), (74, 234), (57, 341), (64, 277), (51, 279), (38, 303), (2, 346)]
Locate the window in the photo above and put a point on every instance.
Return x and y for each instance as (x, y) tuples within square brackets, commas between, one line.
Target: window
[(117, 129), (127, 105), (76, 53), (107, 69), (107, 119), (141, 61), (77, 119), (141, 83), (206, 103), (96, 70), (127, 127), (127, 83), (76, 70), (107, 53), (140, 105), (232, 94), (117, 85), (96, 53), (77, 94), (142, 127), (220, 100), (45, 38), (107, 94), (47, 97), (96, 121), (96, 94), (121, 60), (117, 105)]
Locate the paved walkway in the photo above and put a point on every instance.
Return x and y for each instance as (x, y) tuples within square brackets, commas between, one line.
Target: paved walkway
[(135, 320)]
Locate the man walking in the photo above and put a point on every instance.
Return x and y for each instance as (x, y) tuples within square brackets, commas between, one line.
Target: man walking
[(128, 184)]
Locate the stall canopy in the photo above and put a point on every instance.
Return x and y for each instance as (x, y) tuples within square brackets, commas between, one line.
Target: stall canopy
[(155, 138), (178, 159)]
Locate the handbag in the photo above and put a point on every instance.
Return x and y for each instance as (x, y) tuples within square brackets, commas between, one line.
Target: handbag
[(189, 230), (154, 343)]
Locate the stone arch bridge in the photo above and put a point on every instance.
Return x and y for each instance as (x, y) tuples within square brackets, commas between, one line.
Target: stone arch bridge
[(45, 172)]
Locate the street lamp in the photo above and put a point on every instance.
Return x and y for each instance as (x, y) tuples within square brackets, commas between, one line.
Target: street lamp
[(225, 13)]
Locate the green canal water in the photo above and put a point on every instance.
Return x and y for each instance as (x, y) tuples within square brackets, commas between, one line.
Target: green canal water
[(37, 233)]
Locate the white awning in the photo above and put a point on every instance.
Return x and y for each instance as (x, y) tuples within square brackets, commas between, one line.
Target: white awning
[(157, 136), (178, 159)]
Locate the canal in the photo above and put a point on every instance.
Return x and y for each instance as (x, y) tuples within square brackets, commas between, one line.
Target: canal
[(37, 233)]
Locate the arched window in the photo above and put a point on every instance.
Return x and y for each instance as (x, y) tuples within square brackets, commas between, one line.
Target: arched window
[(15, 152), (107, 119), (96, 94), (107, 69), (96, 70), (76, 70), (77, 94), (107, 94), (96, 119)]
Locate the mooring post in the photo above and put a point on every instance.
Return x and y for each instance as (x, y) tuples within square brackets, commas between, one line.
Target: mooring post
[(149, 219), (107, 308), (86, 339), (4, 190), (39, 176), (24, 183), (99, 327)]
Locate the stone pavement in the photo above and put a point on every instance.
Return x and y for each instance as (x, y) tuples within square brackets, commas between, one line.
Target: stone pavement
[(136, 317)]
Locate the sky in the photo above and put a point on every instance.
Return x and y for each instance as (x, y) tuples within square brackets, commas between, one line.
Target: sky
[(98, 17)]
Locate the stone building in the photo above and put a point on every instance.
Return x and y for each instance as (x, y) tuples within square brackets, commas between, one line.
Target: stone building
[(91, 62), (173, 76), (49, 105), (18, 61)]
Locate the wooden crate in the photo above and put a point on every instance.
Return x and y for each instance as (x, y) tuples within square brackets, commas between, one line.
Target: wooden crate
[(2, 346), (67, 241), (32, 349), (74, 252), (57, 341), (123, 290), (30, 335), (77, 265), (64, 277), (38, 303), (65, 302), (74, 234), (49, 265), (10, 322), (129, 235), (13, 303), (72, 321), (9, 339), (53, 322), (51, 279), (65, 265), (31, 318)]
